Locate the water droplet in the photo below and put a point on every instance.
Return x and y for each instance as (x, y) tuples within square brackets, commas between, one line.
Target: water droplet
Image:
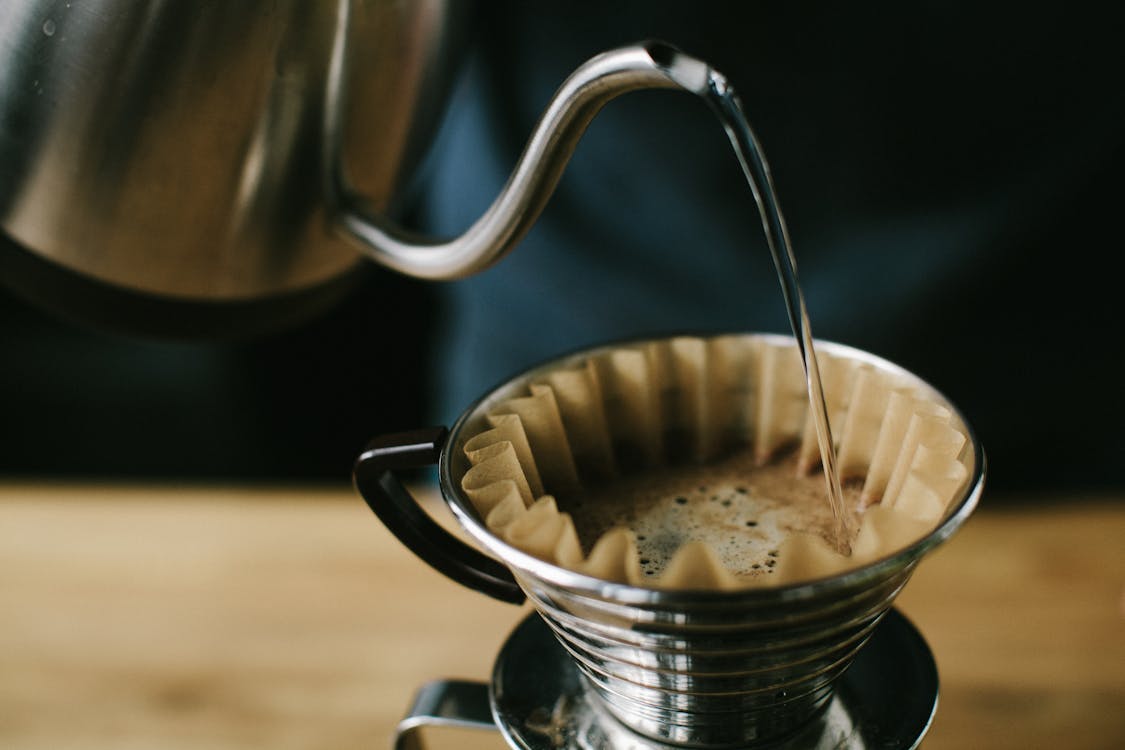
[(49, 27)]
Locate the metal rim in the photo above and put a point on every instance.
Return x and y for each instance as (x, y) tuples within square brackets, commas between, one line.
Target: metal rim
[(639, 595)]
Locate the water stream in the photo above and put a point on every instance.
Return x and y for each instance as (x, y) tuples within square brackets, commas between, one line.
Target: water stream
[(724, 102)]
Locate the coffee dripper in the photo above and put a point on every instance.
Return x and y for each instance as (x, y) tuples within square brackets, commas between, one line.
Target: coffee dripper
[(819, 661)]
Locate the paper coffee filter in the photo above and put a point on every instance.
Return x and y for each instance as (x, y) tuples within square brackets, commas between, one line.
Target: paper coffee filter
[(688, 400)]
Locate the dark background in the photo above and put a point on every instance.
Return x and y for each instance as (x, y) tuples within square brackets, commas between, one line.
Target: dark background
[(82, 401), (972, 156)]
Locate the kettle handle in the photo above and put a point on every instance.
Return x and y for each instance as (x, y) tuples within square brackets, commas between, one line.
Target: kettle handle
[(649, 65), (385, 494)]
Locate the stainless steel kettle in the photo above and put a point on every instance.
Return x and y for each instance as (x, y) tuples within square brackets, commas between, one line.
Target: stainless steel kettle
[(237, 152)]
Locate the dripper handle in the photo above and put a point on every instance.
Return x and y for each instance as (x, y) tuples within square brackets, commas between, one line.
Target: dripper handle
[(385, 494), (445, 703), (649, 65)]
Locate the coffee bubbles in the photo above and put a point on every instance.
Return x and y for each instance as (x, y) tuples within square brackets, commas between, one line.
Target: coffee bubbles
[(743, 510)]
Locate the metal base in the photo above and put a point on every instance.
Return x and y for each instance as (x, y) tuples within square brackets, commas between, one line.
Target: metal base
[(538, 699)]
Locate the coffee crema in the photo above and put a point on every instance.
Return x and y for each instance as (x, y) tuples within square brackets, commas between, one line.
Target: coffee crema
[(743, 510)]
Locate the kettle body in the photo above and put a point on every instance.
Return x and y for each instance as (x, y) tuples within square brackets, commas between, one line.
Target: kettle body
[(244, 155), (185, 149)]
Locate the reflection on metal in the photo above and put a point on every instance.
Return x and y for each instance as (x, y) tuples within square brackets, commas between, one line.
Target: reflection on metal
[(540, 701), (177, 148), (708, 668), (444, 703), (235, 151)]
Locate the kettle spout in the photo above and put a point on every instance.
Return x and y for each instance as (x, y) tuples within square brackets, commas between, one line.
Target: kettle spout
[(650, 65)]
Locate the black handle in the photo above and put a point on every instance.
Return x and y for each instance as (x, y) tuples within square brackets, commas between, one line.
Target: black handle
[(381, 489)]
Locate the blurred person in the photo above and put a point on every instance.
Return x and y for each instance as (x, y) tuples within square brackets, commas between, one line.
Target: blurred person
[(949, 177), (947, 172)]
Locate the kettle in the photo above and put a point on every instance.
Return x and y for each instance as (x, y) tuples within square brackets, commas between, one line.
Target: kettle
[(239, 160)]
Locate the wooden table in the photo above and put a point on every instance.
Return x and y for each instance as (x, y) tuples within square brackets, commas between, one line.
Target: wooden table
[(165, 617)]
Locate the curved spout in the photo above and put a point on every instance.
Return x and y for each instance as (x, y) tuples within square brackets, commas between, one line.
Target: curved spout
[(511, 215)]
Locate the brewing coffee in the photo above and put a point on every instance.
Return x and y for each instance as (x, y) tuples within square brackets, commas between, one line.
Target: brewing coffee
[(697, 653), (686, 462), (635, 492), (745, 512)]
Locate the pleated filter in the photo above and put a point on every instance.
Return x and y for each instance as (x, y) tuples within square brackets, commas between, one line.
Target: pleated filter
[(695, 450)]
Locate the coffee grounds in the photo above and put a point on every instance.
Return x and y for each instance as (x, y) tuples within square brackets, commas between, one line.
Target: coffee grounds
[(742, 510)]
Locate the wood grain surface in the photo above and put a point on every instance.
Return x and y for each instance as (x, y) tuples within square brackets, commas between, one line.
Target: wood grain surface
[(204, 617)]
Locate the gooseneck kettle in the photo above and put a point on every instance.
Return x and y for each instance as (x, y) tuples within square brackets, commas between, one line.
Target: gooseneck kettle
[(226, 155)]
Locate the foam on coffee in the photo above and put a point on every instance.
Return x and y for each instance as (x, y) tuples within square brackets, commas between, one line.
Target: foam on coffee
[(744, 511)]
